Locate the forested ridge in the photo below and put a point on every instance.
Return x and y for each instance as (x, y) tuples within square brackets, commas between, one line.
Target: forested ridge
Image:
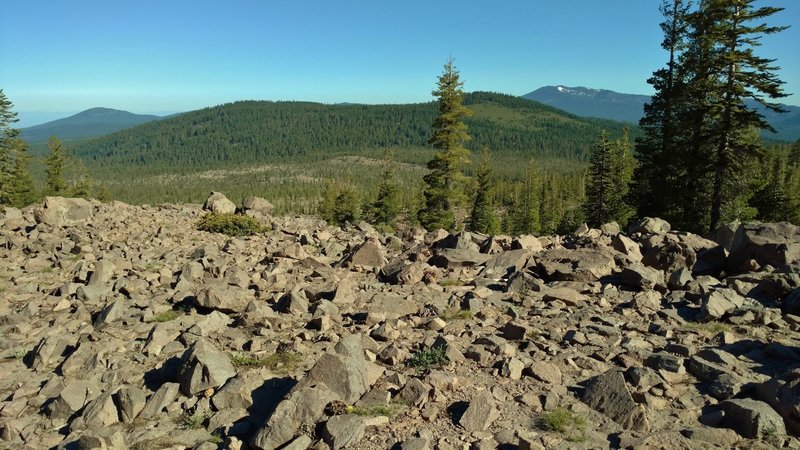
[(255, 132)]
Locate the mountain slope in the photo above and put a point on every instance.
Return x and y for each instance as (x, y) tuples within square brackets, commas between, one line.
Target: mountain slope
[(251, 132), (587, 102), (87, 124)]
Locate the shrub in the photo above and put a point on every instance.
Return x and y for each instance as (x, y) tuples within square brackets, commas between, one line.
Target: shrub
[(280, 362), (429, 357), (231, 224), (563, 421)]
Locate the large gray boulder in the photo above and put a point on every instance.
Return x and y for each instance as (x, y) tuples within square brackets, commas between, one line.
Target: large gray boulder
[(203, 367), (223, 297), (219, 204), (303, 406), (776, 244), (63, 212), (608, 394), (752, 418), (480, 413), (583, 264)]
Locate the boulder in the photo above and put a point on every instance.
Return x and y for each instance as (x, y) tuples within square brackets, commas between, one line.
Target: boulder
[(776, 244), (608, 394), (783, 394), (752, 419), (302, 407), (642, 277), (257, 205), (627, 246), (458, 257), (344, 372), (64, 212), (583, 264), (203, 367), (219, 204), (223, 297), (480, 413), (368, 254), (720, 302), (343, 431), (651, 225)]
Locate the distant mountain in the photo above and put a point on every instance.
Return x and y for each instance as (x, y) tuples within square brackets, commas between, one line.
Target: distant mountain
[(255, 132), (93, 122), (587, 102)]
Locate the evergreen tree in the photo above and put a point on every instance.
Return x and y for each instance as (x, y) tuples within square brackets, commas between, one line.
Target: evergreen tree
[(386, 207), (601, 187), (623, 166), (655, 181), (8, 138), (444, 183), (551, 208), (55, 166), (742, 75), (82, 183), (482, 218), (524, 212), (23, 191)]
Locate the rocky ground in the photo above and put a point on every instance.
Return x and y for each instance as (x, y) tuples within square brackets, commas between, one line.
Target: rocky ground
[(125, 327)]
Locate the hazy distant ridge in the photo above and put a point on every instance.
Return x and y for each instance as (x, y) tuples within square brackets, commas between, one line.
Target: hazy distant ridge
[(588, 102), (90, 123)]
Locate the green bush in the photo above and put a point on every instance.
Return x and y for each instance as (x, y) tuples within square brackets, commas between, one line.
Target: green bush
[(231, 224), (561, 420), (429, 357)]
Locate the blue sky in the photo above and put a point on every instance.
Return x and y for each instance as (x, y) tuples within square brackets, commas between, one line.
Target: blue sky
[(145, 56)]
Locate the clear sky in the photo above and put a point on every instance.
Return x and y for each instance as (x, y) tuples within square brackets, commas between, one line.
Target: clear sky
[(147, 56)]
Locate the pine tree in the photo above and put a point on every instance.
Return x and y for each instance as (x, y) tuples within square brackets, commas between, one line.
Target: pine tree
[(386, 207), (601, 186), (551, 208), (482, 218), (82, 183), (623, 166), (655, 181), (444, 183), (55, 166), (524, 212), (8, 137), (743, 75), (23, 191)]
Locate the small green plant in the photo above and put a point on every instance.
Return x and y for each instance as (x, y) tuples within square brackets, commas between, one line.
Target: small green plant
[(165, 316), (48, 269), (456, 314), (388, 410), (561, 420), (280, 362), (216, 439), (231, 224), (707, 327), (195, 420), (450, 282), (429, 357), (17, 354)]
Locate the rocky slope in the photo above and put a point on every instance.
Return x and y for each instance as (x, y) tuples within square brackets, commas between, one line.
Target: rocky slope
[(125, 327)]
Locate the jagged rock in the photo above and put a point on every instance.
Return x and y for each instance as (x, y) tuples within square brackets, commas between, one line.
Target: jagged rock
[(223, 297), (49, 351), (575, 265), (344, 372), (640, 276), (414, 393), (527, 242), (776, 244), (100, 412), (720, 302), (203, 367), (130, 401), (651, 225), (368, 254), (61, 212), (343, 431), (219, 204), (303, 406), (609, 395), (458, 257), (752, 418), (670, 257), (783, 394), (547, 372), (257, 205), (505, 263), (480, 413), (627, 246), (110, 313), (72, 398), (163, 397), (461, 240)]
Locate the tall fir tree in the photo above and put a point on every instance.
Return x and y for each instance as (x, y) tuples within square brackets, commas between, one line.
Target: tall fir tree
[(742, 75), (82, 183), (55, 168), (482, 217), (444, 182), (623, 166), (524, 212), (386, 207), (8, 138), (22, 187), (601, 186)]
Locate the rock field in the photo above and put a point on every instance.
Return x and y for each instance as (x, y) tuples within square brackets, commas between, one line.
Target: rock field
[(124, 327)]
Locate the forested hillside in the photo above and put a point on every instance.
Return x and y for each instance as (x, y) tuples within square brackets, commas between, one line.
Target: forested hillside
[(257, 132)]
